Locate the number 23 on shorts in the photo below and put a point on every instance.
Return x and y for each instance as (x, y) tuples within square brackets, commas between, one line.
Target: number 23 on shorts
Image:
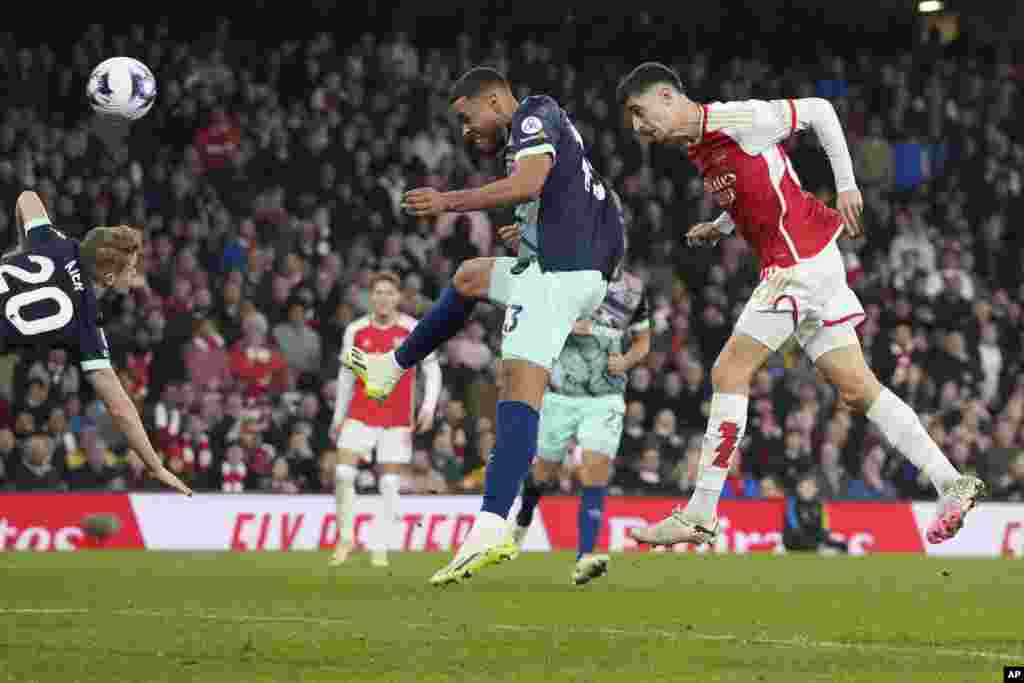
[(512, 312)]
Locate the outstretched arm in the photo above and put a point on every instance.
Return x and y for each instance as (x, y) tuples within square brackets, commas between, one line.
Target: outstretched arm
[(122, 410), (820, 116), (525, 184)]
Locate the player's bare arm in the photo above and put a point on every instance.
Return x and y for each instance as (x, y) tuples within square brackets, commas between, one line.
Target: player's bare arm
[(525, 184), (108, 388), (619, 364), (30, 208)]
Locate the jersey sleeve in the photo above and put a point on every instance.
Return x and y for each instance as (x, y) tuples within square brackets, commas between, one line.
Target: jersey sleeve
[(641, 320), (93, 350), (40, 230), (755, 125), (536, 128)]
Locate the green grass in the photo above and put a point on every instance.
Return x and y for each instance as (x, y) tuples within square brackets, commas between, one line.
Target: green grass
[(121, 616)]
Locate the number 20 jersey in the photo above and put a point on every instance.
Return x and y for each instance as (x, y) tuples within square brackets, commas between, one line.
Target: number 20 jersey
[(48, 301)]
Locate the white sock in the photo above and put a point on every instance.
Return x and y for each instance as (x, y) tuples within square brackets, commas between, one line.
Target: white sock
[(726, 424), (901, 426), (384, 529), (489, 529), (344, 498)]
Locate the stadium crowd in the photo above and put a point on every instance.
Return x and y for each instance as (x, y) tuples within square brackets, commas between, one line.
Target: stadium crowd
[(269, 192)]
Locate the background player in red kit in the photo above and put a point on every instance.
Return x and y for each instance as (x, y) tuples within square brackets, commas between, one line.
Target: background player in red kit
[(803, 290), (362, 425)]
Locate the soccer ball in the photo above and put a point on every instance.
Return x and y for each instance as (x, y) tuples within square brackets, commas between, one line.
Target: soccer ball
[(122, 87)]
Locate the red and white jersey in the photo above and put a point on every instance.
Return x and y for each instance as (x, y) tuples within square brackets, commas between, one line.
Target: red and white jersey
[(746, 169), (371, 337)]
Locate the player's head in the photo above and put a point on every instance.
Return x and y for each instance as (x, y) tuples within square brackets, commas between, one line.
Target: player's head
[(110, 256), (651, 96), (480, 100), (385, 293)]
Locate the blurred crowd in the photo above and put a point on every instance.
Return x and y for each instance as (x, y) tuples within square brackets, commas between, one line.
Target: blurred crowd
[(269, 192)]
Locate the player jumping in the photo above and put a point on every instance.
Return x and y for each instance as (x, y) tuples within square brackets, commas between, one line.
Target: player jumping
[(49, 293), (571, 242), (362, 425), (803, 290), (585, 403)]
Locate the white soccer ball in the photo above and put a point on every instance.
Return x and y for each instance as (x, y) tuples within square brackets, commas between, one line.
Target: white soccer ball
[(122, 87)]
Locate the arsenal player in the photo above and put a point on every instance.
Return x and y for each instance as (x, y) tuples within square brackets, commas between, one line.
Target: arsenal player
[(736, 147), (363, 425)]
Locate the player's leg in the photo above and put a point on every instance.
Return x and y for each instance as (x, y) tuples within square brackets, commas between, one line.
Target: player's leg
[(558, 423), (757, 335), (599, 435), (542, 480), (472, 281), (594, 475), (540, 312), (354, 443), (394, 452), (836, 351)]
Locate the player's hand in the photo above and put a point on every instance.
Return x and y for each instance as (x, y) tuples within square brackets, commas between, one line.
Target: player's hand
[(583, 328), (424, 201), (616, 364), (509, 234), (703, 234), (167, 478), (425, 422), (850, 205)]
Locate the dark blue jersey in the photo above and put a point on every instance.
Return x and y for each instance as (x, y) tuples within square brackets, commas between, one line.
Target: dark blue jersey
[(47, 300), (574, 224)]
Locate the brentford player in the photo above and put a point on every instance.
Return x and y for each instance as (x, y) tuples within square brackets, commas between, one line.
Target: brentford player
[(362, 425), (736, 147)]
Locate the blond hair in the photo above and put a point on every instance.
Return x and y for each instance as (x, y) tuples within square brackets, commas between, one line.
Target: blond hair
[(109, 250), (386, 276)]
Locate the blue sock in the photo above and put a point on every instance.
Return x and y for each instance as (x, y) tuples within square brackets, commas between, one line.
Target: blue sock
[(515, 446), (532, 492), (442, 322), (589, 520)]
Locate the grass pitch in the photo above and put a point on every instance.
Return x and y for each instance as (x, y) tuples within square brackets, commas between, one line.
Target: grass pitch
[(123, 616)]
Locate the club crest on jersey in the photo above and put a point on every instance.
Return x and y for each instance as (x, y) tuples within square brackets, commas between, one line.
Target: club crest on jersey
[(721, 188), (531, 125)]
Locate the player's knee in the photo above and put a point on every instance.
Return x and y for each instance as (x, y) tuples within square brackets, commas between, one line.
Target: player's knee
[(858, 390), (729, 378)]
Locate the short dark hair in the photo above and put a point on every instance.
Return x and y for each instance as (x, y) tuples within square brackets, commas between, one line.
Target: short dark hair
[(475, 81), (643, 77)]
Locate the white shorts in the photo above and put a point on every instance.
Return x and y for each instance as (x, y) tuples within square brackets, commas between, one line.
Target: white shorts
[(541, 307), (810, 300), (393, 444)]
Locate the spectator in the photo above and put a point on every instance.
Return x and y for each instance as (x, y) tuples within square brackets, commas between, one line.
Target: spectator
[(298, 342), (281, 480), (259, 367), (804, 526), (96, 473), (871, 485), (35, 470)]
